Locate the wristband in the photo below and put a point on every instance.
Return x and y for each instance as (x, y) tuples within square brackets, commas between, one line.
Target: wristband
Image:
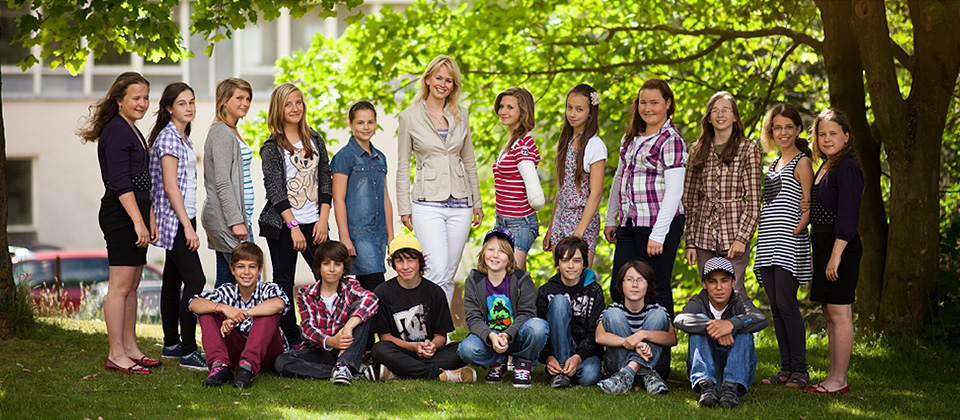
[(292, 223)]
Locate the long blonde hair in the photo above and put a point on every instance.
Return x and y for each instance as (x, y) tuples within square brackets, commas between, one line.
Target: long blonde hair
[(225, 90), (504, 246), (527, 120), (278, 100), (451, 104)]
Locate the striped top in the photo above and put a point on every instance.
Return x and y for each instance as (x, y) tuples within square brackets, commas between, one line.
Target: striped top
[(779, 216), (442, 132), (635, 319), (246, 155), (511, 193)]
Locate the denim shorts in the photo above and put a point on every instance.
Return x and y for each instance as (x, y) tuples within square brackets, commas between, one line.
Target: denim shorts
[(525, 229)]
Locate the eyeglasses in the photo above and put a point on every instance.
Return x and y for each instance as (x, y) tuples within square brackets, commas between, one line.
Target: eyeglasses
[(724, 111), (634, 280)]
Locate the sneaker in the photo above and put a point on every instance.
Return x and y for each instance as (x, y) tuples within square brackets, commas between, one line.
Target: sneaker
[(729, 397), (618, 383), (342, 375), (368, 373), (244, 378), (194, 361), (560, 381), (521, 373), (465, 375), (653, 383), (708, 394), (386, 374), (171, 352), (219, 375), (495, 374)]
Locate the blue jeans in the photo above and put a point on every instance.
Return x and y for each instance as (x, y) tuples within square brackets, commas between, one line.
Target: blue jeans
[(709, 360), (524, 229), (526, 345), (561, 341), (224, 276), (615, 322)]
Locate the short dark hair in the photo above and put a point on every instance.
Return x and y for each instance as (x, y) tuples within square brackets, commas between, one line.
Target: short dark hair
[(567, 248), (332, 251), (352, 113), (408, 253), (646, 271), (246, 251)]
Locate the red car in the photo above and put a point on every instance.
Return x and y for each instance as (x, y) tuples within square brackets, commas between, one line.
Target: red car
[(79, 271)]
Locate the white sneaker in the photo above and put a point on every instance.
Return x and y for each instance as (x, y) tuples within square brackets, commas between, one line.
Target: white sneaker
[(465, 375), (386, 374)]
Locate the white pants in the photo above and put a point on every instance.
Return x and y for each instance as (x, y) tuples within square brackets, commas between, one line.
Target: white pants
[(442, 233)]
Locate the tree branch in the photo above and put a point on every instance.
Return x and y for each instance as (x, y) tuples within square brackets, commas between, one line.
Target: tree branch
[(723, 34), (906, 60), (776, 73)]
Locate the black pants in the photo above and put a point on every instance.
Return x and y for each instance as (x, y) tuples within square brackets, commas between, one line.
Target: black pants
[(316, 362), (632, 244), (370, 282), (181, 267), (405, 363), (284, 260), (781, 287)]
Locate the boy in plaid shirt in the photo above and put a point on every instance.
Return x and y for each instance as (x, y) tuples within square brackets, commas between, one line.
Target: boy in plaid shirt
[(334, 312)]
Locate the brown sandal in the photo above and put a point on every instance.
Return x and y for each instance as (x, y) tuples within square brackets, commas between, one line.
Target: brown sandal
[(798, 380), (782, 377)]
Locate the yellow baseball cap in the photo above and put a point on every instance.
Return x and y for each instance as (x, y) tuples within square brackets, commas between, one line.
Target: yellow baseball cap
[(404, 241)]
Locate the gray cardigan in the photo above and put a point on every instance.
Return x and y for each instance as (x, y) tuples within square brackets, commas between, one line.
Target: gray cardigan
[(223, 183), (523, 295), (275, 183)]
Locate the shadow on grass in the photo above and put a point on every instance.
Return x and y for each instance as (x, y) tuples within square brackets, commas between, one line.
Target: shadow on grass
[(57, 372)]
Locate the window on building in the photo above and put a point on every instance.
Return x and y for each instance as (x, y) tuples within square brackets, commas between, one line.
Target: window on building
[(20, 191)]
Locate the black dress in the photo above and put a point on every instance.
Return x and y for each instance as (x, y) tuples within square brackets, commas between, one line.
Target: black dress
[(120, 144), (823, 235)]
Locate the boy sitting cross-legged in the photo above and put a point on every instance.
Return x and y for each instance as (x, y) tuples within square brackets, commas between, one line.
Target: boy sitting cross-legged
[(635, 332), (413, 321), (721, 323), (334, 315), (571, 302), (240, 323)]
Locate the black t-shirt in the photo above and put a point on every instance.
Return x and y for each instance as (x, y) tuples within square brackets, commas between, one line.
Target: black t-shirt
[(412, 314)]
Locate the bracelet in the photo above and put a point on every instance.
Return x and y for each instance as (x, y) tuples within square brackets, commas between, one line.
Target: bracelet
[(293, 223), (215, 307)]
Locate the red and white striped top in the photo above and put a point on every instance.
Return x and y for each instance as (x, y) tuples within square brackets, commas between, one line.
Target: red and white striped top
[(511, 194)]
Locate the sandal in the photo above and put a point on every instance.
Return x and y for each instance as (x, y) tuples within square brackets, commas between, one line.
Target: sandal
[(780, 378), (819, 389), (798, 380), (147, 362), (132, 370)]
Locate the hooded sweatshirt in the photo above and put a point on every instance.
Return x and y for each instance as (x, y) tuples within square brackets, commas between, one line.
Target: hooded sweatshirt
[(740, 311), (523, 295), (586, 300)]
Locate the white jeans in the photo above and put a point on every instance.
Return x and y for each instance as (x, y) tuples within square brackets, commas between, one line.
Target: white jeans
[(442, 233)]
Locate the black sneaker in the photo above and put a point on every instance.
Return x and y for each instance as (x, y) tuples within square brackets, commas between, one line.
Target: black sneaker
[(495, 374), (342, 375), (244, 378), (521, 373), (729, 397), (560, 380), (219, 375), (171, 352), (708, 394)]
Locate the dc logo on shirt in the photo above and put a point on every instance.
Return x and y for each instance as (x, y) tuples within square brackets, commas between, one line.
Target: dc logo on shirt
[(412, 323)]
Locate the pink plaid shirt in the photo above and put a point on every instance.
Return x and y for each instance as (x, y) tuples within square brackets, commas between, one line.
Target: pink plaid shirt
[(317, 324)]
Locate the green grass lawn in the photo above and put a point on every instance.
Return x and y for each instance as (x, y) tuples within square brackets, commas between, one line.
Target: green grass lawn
[(57, 372)]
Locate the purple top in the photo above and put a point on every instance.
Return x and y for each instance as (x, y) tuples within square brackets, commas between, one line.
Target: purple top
[(840, 192), (499, 306), (122, 155)]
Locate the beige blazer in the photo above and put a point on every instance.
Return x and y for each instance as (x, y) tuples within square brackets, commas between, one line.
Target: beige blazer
[(444, 168)]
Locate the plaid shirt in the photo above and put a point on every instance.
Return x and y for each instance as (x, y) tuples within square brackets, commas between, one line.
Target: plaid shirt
[(722, 202), (229, 294), (638, 182), (168, 142), (317, 324)]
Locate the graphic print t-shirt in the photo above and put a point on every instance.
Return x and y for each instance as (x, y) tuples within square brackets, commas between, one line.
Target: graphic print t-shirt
[(499, 306), (412, 314), (302, 188)]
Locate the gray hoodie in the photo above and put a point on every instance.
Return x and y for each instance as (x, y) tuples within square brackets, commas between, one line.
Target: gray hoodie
[(523, 295)]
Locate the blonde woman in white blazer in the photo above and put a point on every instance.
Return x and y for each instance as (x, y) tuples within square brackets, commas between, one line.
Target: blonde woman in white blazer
[(445, 200)]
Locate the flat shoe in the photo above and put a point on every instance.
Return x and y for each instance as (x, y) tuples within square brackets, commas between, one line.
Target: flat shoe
[(132, 370), (819, 389), (147, 362)]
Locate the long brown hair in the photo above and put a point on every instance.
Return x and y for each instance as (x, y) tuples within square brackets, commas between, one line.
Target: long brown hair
[(701, 147), (786, 111), (527, 118), (566, 134), (278, 100), (225, 90), (169, 96), (637, 125), (105, 109), (832, 114)]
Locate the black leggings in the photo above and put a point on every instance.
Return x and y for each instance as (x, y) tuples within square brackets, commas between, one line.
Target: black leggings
[(181, 267), (781, 287)]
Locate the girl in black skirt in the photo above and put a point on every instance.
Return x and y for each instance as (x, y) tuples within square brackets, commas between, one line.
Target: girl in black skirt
[(835, 210), (126, 216)]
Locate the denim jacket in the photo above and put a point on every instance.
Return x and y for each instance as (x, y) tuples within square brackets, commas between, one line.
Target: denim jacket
[(366, 178)]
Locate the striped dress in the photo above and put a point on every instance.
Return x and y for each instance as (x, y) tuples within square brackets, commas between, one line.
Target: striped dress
[(776, 243)]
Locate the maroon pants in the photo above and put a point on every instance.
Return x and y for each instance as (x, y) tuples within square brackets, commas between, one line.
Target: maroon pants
[(261, 347)]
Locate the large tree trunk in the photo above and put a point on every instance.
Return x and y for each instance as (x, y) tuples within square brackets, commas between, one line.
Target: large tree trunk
[(7, 286), (912, 133), (845, 72)]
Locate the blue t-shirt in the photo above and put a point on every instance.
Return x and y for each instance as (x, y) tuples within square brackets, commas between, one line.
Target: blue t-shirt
[(499, 306)]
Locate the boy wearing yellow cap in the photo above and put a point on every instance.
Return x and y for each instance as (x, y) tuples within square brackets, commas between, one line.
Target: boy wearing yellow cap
[(413, 322)]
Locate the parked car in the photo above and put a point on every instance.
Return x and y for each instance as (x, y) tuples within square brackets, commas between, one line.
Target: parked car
[(18, 253), (82, 274)]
